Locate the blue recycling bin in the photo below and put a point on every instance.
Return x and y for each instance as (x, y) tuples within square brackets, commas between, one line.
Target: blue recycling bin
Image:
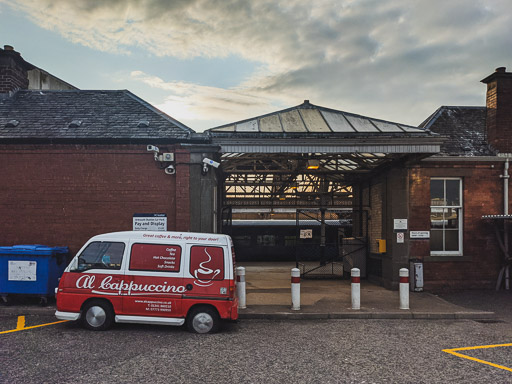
[(31, 270)]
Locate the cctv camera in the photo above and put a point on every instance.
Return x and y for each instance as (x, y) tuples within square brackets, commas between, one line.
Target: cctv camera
[(211, 162), (170, 170), (152, 148)]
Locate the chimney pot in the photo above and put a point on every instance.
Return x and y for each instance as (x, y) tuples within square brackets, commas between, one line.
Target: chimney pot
[(8, 48), (501, 69)]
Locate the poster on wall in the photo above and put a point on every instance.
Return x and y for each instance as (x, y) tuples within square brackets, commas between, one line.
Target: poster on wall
[(399, 225), (150, 222), (306, 233)]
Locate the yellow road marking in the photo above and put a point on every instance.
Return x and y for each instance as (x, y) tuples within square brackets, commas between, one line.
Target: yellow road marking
[(21, 325), (21, 322), (454, 352)]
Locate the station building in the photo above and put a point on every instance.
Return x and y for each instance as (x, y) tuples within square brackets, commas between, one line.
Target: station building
[(331, 184)]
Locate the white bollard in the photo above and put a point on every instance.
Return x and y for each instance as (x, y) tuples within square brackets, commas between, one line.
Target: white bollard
[(355, 274), (404, 288), (295, 289), (240, 287)]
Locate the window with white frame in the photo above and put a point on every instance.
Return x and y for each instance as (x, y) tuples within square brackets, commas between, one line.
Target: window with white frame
[(446, 216)]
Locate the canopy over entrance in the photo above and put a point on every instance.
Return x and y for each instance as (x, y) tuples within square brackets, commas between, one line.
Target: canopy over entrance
[(310, 155)]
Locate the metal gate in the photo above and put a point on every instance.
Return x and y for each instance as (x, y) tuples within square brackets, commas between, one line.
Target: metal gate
[(320, 233)]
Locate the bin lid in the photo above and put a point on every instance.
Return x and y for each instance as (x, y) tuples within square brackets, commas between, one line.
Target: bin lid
[(34, 250)]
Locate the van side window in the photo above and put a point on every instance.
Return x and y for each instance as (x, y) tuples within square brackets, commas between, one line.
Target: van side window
[(207, 263), (155, 257), (101, 255)]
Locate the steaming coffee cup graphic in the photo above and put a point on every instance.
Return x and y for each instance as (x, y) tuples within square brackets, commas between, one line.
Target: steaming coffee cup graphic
[(205, 275)]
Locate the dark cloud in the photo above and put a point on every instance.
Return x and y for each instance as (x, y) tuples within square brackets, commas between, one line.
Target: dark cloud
[(399, 59)]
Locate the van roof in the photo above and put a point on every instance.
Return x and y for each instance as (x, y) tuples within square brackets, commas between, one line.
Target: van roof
[(213, 238)]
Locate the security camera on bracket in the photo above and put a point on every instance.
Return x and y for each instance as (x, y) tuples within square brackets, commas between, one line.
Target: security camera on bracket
[(209, 162), (152, 148)]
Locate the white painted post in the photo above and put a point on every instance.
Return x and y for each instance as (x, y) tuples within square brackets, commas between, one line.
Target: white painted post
[(404, 288), (240, 287), (295, 289), (355, 274)]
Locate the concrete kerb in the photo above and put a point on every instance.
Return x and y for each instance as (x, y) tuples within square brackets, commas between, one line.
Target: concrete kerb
[(406, 315)]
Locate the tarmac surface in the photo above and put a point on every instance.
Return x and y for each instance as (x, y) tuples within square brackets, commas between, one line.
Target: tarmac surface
[(268, 296)]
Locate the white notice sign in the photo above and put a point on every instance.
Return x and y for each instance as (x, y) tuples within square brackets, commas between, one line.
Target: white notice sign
[(150, 222), (306, 233), (400, 224), (400, 236), (419, 234), (22, 270)]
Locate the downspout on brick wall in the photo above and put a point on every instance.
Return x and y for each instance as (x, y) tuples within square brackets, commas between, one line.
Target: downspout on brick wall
[(505, 178)]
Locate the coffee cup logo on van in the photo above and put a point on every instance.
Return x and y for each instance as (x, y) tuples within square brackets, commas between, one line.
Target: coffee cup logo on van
[(204, 274)]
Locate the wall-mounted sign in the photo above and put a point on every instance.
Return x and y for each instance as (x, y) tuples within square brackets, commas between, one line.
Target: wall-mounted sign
[(419, 234), (149, 222), (400, 225), (400, 237), (306, 233)]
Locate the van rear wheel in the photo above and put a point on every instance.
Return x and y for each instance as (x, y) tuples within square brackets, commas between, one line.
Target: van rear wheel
[(203, 319), (97, 315)]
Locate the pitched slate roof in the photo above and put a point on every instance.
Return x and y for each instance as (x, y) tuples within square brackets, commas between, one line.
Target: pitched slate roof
[(465, 128), (84, 114), (308, 119)]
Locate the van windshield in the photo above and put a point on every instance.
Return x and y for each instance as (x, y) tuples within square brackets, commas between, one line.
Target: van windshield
[(100, 255)]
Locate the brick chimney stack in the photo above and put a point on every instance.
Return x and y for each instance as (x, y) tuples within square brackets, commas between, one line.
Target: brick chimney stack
[(499, 109), (13, 70)]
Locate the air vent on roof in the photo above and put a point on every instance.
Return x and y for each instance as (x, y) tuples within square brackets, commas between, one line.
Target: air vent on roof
[(75, 124), (12, 123), (143, 124)]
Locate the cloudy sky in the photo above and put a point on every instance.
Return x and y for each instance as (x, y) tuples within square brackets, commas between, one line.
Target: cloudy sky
[(211, 62)]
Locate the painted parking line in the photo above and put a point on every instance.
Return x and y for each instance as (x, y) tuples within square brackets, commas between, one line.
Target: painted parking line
[(454, 352), (20, 326)]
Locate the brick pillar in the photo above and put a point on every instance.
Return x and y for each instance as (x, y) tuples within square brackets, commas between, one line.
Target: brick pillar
[(182, 190)]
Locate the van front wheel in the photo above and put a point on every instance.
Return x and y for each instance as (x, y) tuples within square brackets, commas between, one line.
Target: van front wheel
[(203, 319), (97, 315)]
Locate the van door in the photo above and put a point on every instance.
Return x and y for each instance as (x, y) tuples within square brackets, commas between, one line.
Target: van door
[(208, 270), (155, 280)]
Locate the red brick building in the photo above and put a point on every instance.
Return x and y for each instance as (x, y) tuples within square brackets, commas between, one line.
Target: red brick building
[(444, 197), (450, 192), (74, 163)]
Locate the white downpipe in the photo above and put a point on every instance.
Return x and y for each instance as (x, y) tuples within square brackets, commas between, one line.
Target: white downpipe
[(295, 289), (355, 274), (505, 177), (505, 187), (404, 288), (240, 287)]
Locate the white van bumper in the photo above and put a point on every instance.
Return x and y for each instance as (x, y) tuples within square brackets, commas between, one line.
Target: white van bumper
[(67, 315)]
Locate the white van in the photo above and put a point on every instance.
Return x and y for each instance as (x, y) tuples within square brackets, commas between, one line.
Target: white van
[(168, 278)]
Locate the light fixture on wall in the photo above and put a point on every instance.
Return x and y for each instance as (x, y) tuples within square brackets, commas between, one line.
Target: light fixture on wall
[(313, 164)]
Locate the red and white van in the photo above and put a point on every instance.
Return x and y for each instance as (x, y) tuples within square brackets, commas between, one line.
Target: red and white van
[(152, 278)]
